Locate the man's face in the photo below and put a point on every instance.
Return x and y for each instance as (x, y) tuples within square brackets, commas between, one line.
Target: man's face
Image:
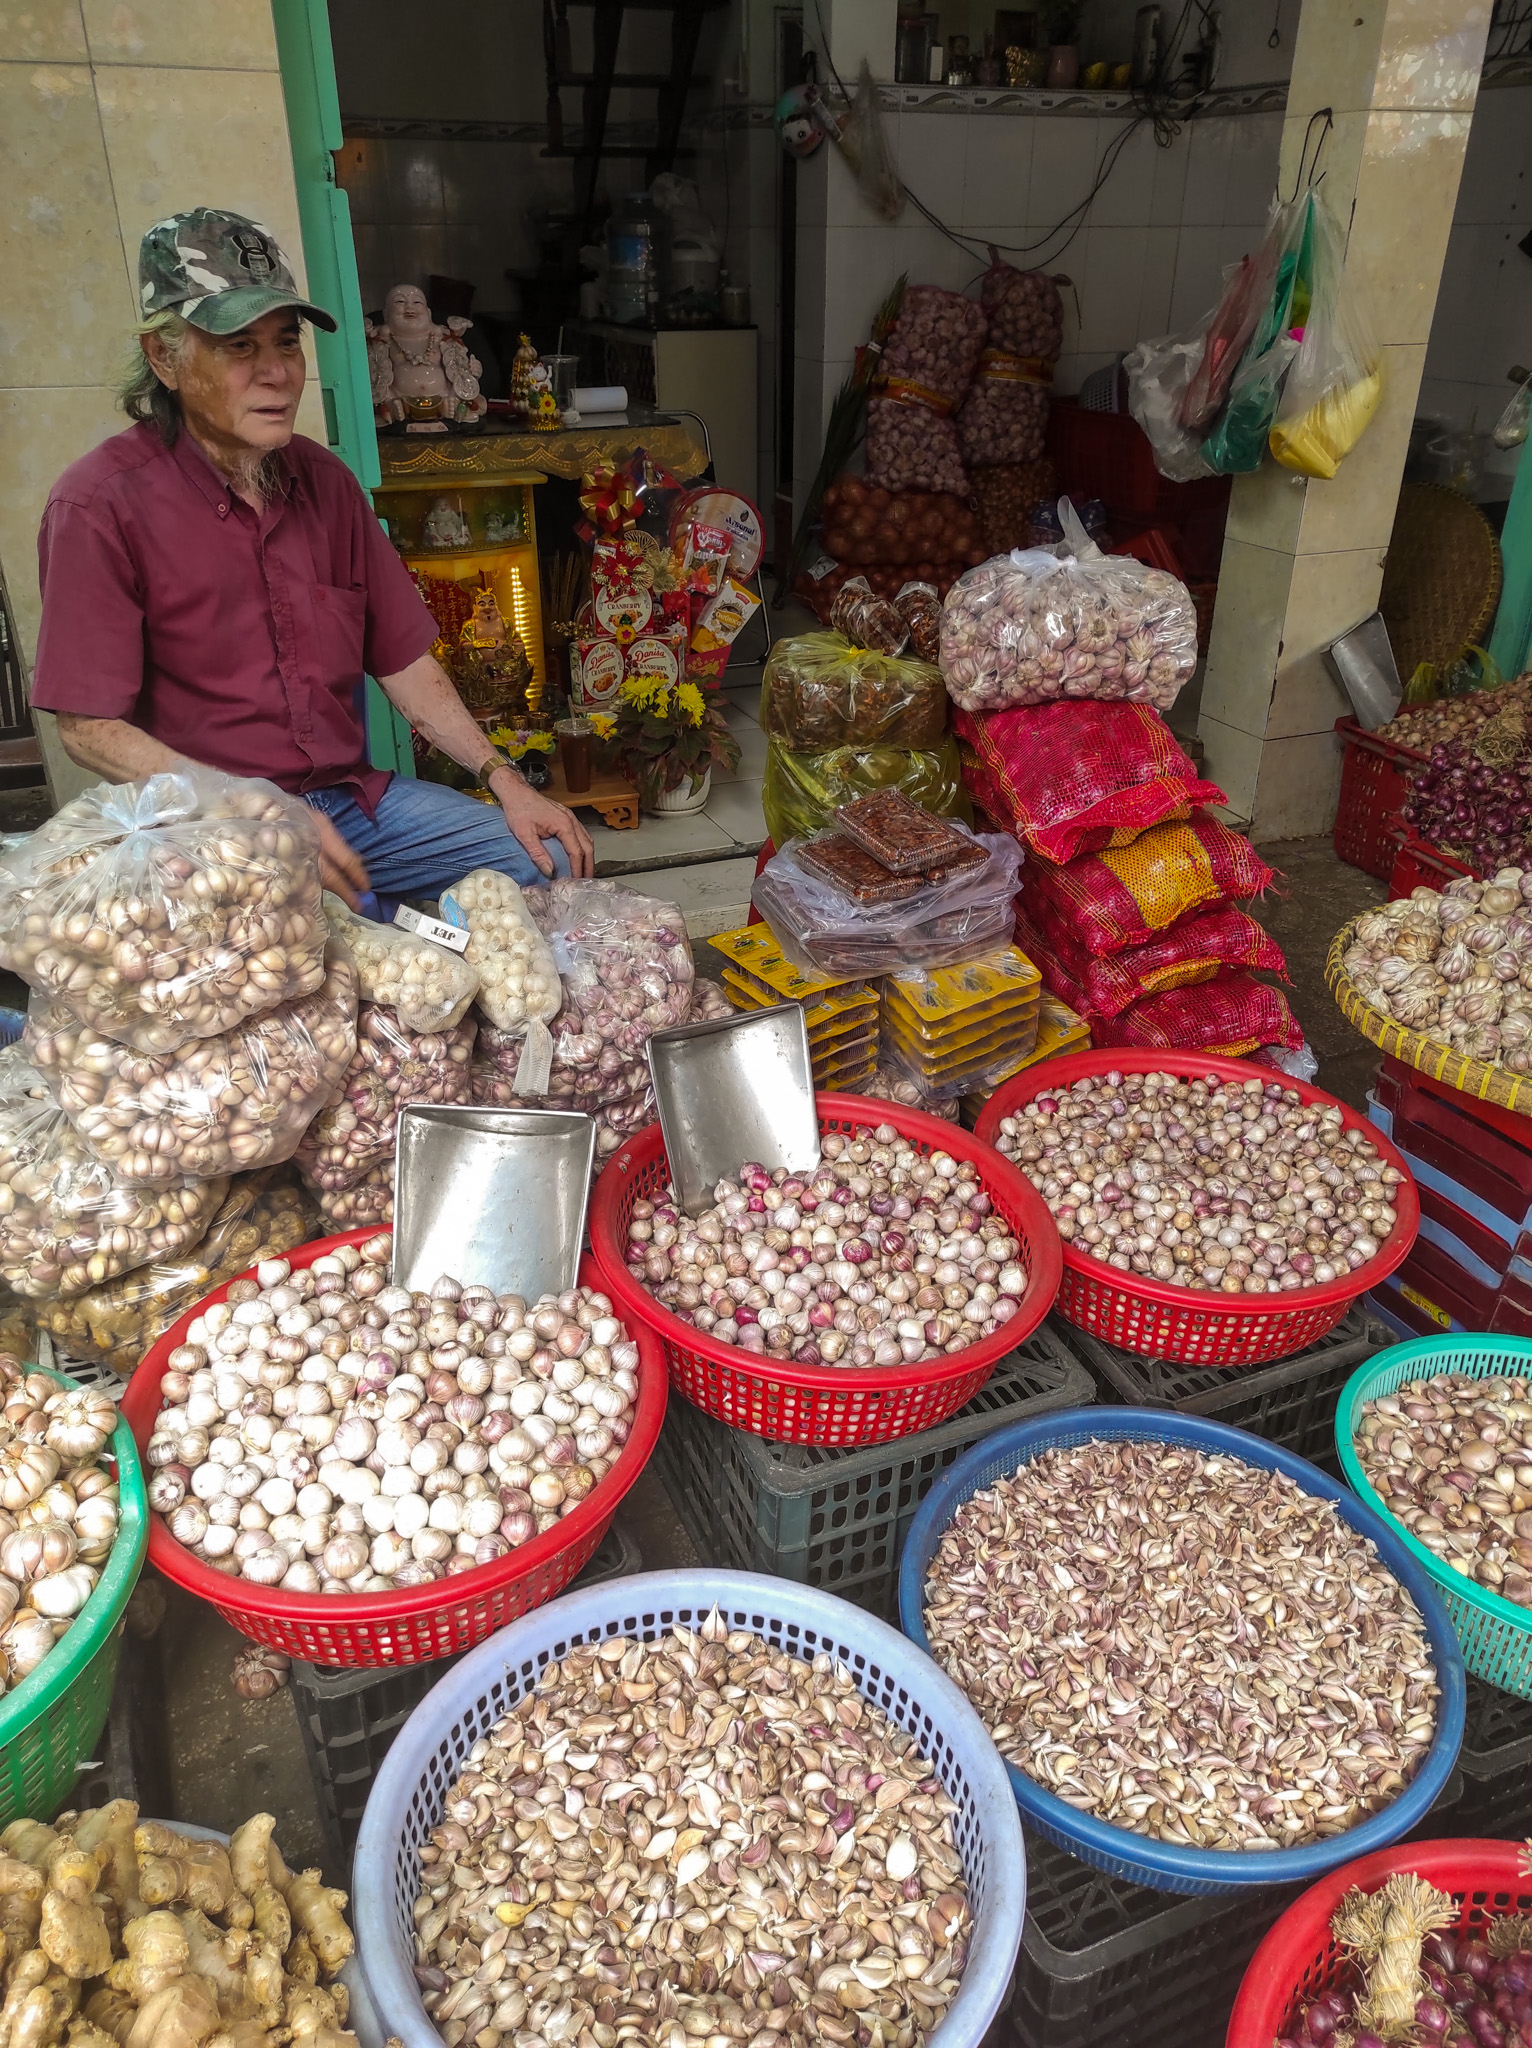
[(406, 306), (239, 391)]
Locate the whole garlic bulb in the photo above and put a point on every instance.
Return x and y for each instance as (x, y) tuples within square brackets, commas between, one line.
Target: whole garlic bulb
[(518, 980), (61, 1595), (425, 985)]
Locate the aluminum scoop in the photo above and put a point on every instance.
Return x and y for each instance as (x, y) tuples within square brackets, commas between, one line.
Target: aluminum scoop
[(731, 1089), (495, 1197)]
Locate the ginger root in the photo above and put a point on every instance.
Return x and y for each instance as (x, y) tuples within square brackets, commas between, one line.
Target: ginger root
[(273, 1922), (111, 2013), (108, 1830), (316, 1909), (174, 1871), (180, 2016), (315, 2021), (254, 1859), (157, 1953), (84, 2034), (31, 1842), (300, 1961)]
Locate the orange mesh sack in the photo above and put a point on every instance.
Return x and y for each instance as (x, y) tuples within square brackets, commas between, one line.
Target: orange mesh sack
[(1124, 895), (1233, 1015), (1071, 778), (1193, 951)]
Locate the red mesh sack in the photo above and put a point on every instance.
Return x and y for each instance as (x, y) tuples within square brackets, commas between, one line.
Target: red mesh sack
[(1193, 951), (1232, 1015), (928, 364), (1125, 895), (1076, 776)]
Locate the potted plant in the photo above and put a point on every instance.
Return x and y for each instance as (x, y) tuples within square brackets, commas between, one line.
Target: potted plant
[(667, 739), (1064, 38)]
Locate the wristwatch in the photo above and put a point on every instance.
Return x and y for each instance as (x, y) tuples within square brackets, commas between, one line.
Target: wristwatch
[(492, 760)]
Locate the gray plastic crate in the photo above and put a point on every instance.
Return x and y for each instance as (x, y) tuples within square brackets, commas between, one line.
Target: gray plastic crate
[(837, 1519), (1291, 1403)]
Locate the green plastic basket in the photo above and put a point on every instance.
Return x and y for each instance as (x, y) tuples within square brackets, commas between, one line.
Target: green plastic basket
[(51, 1721), (1495, 1633)]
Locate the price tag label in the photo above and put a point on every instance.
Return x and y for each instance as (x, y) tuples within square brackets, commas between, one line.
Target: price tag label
[(453, 936)]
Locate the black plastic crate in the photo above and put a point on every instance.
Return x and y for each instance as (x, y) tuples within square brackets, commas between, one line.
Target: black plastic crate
[(838, 1518), (349, 1718), (1107, 1964), (1497, 1731), (1291, 1403)]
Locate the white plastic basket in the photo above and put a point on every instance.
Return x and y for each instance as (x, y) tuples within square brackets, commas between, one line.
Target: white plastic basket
[(410, 1792)]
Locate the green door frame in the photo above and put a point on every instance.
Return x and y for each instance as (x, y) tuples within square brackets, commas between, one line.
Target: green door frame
[(307, 63), (1511, 642)]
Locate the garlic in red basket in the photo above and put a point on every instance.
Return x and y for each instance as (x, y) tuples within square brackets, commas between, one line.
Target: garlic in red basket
[(327, 1432), (881, 1256)]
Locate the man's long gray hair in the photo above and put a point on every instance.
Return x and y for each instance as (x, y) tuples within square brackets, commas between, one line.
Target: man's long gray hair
[(139, 392)]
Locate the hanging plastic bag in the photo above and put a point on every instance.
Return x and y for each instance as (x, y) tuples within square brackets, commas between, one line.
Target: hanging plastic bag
[(1336, 381), (865, 147), (1511, 427), (1227, 330), (1159, 374), (1238, 441)]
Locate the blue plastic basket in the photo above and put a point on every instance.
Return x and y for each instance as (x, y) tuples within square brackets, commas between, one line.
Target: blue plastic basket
[(410, 1792), (1166, 1866), (1494, 1633)]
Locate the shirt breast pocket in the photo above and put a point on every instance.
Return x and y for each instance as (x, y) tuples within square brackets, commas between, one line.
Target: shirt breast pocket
[(340, 623)]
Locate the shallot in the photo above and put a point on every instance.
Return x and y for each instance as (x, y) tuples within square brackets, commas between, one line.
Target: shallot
[(881, 1256), (1451, 1458), (325, 1431), (1237, 1186)]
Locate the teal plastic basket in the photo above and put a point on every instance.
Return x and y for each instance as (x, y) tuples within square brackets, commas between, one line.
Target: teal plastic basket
[(1496, 1634)]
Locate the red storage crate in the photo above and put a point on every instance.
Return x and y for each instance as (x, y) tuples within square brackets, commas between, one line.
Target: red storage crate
[(1442, 1128), (1152, 547), (1375, 780), (1508, 1122), (1107, 455), (1433, 1282), (1419, 866)]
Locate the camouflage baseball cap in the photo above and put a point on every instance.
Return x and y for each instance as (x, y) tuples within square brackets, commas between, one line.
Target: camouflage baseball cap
[(219, 271)]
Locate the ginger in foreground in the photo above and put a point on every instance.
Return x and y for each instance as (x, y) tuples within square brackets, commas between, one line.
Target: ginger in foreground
[(116, 1933)]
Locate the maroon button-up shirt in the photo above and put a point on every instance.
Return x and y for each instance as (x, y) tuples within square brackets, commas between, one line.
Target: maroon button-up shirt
[(240, 639)]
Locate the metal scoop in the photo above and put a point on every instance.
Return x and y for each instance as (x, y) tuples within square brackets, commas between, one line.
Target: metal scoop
[(731, 1089), (1364, 666), (495, 1197)]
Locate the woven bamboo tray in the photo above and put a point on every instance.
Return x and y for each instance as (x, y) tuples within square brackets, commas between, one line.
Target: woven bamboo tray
[(1489, 1083), (1441, 578)]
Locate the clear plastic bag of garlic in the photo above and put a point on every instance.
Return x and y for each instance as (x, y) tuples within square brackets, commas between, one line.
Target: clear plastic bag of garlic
[(214, 1106), (427, 986), (518, 981), (390, 1066), (66, 1222), (58, 1511), (328, 1432), (1455, 966), (168, 909), (369, 1201)]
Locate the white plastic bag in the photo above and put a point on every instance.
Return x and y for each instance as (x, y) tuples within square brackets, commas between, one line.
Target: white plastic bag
[(518, 980), (1159, 374), (1336, 381), (168, 909), (1044, 623)]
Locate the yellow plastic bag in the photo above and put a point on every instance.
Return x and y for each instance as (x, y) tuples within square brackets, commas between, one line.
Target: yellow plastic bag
[(1316, 444), (801, 792)]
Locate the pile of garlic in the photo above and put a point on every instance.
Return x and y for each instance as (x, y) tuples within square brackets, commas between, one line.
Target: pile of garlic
[(1456, 967), (329, 1433), (58, 1511)]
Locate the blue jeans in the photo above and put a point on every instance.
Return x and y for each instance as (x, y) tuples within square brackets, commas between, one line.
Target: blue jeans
[(425, 837)]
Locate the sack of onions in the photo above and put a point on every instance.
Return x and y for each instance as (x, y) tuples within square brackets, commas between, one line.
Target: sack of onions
[(214, 1106), (66, 1221), (428, 987), (59, 1506), (327, 1432), (263, 1214), (391, 1066), (168, 909)]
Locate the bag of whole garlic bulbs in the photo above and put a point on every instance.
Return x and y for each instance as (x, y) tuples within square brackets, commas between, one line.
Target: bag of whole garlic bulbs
[(1456, 967), (518, 981), (427, 987), (215, 1105), (168, 909), (59, 1511), (66, 1221)]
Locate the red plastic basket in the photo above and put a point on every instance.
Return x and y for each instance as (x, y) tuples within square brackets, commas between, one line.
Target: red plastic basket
[(1375, 781), (1107, 455), (1419, 866), (827, 1404), (1299, 1959), (1190, 1326), (418, 1623)]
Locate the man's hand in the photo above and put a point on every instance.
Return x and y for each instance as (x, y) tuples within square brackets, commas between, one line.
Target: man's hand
[(340, 867), (533, 818)]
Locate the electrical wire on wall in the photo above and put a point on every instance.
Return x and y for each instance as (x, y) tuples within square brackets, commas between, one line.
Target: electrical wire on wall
[(1154, 102)]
